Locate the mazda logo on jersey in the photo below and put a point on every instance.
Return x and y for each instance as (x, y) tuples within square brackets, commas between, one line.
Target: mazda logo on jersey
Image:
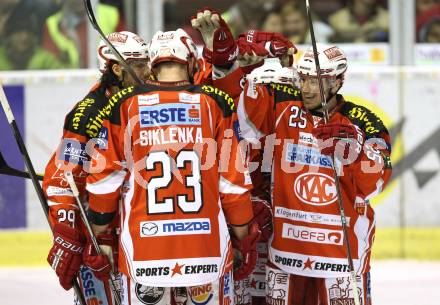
[(169, 114), (175, 227), (149, 295), (315, 189), (149, 229)]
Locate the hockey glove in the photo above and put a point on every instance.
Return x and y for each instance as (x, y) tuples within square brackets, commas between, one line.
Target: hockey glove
[(341, 140), (263, 217), (65, 256), (220, 47), (251, 55), (100, 265), (247, 248), (275, 44)]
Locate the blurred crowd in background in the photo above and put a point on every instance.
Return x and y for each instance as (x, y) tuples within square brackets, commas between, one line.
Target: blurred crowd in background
[(52, 34)]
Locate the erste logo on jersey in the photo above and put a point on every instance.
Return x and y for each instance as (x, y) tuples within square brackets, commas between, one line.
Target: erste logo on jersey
[(315, 189), (175, 227), (307, 156), (169, 114)]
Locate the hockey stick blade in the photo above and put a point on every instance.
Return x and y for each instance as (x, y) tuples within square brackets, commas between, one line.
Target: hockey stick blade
[(5, 169), (91, 15)]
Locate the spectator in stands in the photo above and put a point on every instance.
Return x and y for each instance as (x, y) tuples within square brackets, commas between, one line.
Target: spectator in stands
[(433, 31), (65, 32), (20, 48), (295, 25), (423, 6), (247, 14), (360, 21), (6, 7), (272, 22), (427, 22)]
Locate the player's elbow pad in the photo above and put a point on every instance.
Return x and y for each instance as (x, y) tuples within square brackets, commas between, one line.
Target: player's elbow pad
[(99, 218)]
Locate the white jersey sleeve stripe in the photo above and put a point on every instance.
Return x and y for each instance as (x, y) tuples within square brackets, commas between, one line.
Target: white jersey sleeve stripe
[(247, 128), (227, 187), (107, 185)]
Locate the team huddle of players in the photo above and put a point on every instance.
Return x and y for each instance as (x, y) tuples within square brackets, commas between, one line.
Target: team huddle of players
[(212, 182)]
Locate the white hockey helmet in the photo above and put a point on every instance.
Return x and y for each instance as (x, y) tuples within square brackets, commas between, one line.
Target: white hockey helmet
[(332, 61), (174, 46), (128, 44), (272, 72)]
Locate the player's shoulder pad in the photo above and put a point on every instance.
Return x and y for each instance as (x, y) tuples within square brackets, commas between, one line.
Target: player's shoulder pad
[(87, 116), (223, 99), (365, 119), (77, 119), (285, 93), (113, 106)]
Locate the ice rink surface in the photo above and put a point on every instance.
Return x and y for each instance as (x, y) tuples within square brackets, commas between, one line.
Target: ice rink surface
[(393, 283)]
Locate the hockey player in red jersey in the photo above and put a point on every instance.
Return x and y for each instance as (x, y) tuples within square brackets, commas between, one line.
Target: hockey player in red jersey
[(307, 256), (231, 61), (173, 143), (82, 126)]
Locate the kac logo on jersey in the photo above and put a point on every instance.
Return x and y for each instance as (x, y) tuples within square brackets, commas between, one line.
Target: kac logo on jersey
[(169, 114), (175, 227), (307, 156), (315, 189)]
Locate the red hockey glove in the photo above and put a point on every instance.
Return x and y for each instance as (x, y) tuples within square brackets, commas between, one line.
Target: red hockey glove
[(275, 44), (247, 247), (214, 28), (65, 256), (251, 55), (346, 140), (250, 48), (99, 264), (263, 217)]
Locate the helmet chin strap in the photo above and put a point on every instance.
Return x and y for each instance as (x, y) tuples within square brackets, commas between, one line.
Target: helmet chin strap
[(121, 81)]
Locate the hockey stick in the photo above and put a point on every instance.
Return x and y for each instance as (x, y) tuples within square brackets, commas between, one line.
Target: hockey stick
[(31, 172), (5, 169), (335, 174), (92, 236), (91, 15)]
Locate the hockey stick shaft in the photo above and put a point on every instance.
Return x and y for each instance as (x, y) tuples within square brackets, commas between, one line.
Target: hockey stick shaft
[(335, 174), (5, 169), (95, 25), (33, 176), (86, 222), (318, 70)]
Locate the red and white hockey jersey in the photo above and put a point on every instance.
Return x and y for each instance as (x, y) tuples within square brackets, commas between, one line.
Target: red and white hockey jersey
[(185, 183), (308, 237)]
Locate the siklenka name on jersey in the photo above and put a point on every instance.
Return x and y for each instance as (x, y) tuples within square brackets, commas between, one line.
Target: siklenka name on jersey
[(168, 124), (171, 135)]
